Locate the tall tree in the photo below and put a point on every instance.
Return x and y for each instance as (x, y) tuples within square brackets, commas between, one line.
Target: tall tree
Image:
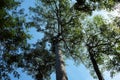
[(56, 20), (13, 37), (88, 7), (100, 40)]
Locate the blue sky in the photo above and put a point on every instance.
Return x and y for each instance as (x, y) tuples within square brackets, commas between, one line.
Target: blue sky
[(74, 72)]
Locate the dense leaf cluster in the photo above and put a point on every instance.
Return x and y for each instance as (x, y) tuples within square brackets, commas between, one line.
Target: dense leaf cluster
[(13, 37)]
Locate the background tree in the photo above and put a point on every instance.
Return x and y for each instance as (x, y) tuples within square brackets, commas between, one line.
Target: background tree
[(101, 42), (89, 6), (13, 37)]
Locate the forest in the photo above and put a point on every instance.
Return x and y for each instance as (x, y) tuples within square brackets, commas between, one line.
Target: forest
[(86, 32)]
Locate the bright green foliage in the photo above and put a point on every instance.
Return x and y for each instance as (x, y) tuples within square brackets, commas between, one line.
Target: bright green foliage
[(103, 38), (90, 5), (57, 17), (13, 37)]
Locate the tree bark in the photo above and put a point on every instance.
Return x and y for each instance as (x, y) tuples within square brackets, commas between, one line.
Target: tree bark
[(60, 66), (95, 65)]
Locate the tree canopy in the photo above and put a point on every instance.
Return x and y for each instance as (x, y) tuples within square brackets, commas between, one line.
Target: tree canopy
[(58, 20), (68, 33), (101, 38), (13, 37)]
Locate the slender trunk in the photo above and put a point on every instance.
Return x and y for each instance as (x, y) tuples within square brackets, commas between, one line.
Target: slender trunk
[(60, 67), (95, 65)]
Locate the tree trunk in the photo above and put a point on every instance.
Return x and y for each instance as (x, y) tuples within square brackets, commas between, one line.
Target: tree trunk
[(94, 63), (60, 66)]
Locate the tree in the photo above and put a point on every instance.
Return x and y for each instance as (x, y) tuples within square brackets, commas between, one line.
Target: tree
[(57, 21), (100, 40), (89, 6), (13, 37)]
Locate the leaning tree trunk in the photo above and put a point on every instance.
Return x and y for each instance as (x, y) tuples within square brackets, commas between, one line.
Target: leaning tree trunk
[(95, 65), (60, 66)]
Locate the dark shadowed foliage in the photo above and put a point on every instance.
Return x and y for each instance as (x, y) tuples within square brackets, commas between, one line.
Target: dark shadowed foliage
[(13, 37)]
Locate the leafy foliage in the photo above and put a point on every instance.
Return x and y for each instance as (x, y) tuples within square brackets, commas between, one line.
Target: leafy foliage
[(38, 62), (13, 37), (57, 19), (103, 39), (91, 5)]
